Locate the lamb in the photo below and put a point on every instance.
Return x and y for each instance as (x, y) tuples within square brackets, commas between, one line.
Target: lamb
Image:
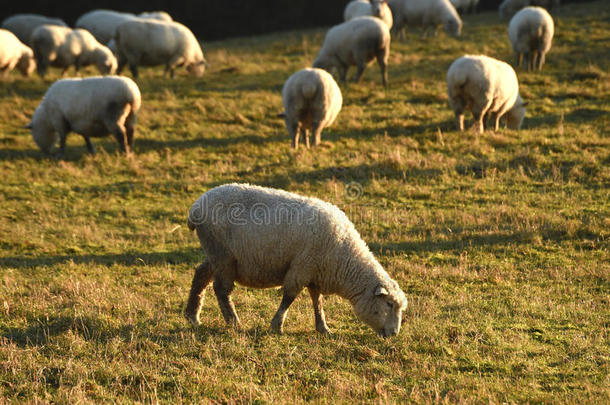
[(484, 85), (356, 42), (151, 43), (428, 13), (24, 25), (263, 237), (531, 33), (92, 107), (508, 8), (375, 8), (103, 23), (63, 47), (464, 6), (14, 53), (312, 100)]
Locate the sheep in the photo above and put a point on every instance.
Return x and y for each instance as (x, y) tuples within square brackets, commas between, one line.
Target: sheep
[(92, 107), (356, 42), (465, 5), (484, 85), (508, 8), (375, 8), (14, 53), (531, 33), (151, 43), (103, 23), (63, 47), (23, 25), (263, 237), (428, 13), (312, 100)]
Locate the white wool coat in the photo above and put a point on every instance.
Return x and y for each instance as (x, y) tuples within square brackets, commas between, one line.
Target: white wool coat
[(15, 54), (530, 32), (374, 8), (24, 25), (426, 13)]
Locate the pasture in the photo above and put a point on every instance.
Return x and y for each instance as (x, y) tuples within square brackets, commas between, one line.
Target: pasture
[(499, 241)]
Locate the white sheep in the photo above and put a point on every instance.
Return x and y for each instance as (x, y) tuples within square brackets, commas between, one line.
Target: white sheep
[(23, 25), (427, 13), (508, 8), (92, 107), (531, 33), (374, 8), (103, 23), (152, 43), (262, 237), (312, 100), (464, 6), (14, 53), (64, 47), (485, 86), (356, 42)]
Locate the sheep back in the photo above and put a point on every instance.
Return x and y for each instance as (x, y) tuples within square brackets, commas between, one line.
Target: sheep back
[(374, 8), (15, 54), (312, 100), (24, 25), (90, 106), (152, 43), (484, 85), (429, 14)]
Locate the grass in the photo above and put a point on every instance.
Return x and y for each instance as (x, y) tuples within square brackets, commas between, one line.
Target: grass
[(500, 241)]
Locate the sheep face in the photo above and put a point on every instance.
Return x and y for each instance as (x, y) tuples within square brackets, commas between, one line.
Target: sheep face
[(453, 27), (196, 69), (44, 135), (514, 116), (106, 63), (383, 310), (26, 64)]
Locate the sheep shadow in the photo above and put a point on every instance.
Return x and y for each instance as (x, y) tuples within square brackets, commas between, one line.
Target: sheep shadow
[(178, 257)]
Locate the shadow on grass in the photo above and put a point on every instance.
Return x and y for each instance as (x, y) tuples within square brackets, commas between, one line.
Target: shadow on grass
[(191, 256)]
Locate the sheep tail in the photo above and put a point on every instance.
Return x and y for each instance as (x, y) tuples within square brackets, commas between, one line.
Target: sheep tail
[(309, 90)]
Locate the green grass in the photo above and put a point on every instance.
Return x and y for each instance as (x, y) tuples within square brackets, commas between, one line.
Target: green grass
[(499, 241)]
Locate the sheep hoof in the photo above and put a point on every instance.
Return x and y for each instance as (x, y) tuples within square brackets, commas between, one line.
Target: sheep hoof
[(192, 318), (324, 331)]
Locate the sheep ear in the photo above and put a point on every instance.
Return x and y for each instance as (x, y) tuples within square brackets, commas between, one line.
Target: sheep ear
[(381, 291), (28, 126)]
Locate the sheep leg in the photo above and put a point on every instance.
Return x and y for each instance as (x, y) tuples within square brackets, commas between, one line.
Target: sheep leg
[(305, 136), (382, 57), (316, 131), (62, 144), (359, 72), (518, 59), (223, 286), (90, 146), (203, 276), (294, 129), (292, 288), (478, 119), (318, 300), (541, 57), (342, 69), (134, 70), (130, 129)]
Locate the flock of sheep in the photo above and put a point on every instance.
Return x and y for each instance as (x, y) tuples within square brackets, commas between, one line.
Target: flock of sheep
[(275, 237)]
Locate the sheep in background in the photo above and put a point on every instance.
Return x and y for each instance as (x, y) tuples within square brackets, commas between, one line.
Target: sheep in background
[(484, 85), (312, 100), (464, 6), (103, 23), (92, 107), (152, 43), (356, 42), (24, 25), (427, 13), (63, 47), (14, 53), (531, 33), (374, 8), (263, 237), (508, 8)]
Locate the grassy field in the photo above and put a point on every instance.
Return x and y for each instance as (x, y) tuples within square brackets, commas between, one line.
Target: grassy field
[(500, 241)]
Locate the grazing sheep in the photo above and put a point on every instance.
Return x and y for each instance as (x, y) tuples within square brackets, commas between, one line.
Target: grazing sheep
[(63, 47), (151, 43), (464, 6), (24, 25), (312, 100), (509, 8), (14, 53), (263, 237), (356, 42), (484, 86), (374, 8), (92, 107), (103, 23), (531, 33), (427, 13)]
